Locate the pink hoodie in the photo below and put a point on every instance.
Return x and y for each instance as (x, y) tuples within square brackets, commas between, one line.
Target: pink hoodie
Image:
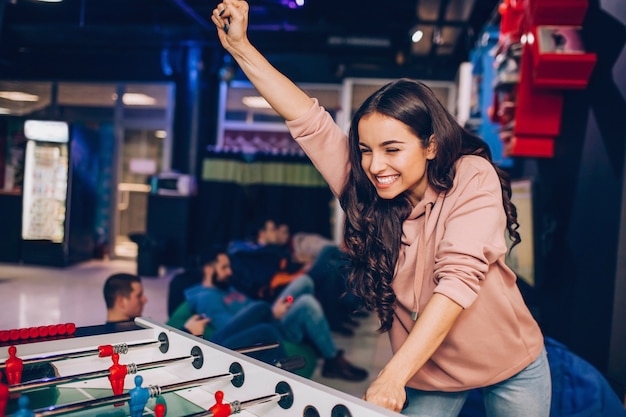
[(453, 244)]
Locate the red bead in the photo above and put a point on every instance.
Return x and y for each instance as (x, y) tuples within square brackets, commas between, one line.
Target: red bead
[(43, 331)]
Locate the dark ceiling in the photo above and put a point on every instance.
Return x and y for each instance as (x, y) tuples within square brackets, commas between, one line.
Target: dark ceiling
[(346, 37)]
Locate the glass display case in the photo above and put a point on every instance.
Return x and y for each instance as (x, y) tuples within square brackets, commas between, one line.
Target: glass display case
[(59, 193), (45, 181)]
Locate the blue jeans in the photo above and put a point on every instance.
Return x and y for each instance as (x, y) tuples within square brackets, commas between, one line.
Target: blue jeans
[(329, 272), (250, 327), (305, 317), (526, 394)]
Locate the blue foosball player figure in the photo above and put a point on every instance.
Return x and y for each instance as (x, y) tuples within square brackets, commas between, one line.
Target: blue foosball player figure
[(138, 398), (23, 410)]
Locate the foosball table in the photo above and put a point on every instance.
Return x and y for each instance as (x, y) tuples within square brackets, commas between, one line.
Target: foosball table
[(155, 370)]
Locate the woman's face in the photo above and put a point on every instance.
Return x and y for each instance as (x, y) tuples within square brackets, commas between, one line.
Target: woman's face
[(393, 157)]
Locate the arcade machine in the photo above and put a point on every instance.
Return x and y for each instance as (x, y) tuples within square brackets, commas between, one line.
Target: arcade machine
[(153, 369)]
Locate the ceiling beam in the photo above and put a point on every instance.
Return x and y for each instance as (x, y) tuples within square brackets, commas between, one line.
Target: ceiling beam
[(189, 11), (443, 7)]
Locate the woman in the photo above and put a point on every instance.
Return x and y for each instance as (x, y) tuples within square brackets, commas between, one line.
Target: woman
[(426, 216)]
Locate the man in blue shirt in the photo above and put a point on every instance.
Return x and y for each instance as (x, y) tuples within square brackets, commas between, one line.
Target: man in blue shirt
[(296, 313)]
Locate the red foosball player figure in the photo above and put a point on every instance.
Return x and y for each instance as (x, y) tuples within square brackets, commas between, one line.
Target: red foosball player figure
[(117, 373), (4, 396), (13, 367), (159, 410), (220, 409)]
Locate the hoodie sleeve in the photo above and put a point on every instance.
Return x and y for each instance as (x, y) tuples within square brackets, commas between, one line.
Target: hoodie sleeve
[(324, 143), (474, 234)]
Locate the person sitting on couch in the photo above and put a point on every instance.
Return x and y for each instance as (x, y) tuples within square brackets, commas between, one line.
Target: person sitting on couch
[(125, 299), (265, 262), (296, 313)]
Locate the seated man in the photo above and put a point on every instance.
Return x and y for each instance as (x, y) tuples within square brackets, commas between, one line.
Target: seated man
[(124, 298), (256, 261), (263, 265), (296, 313)]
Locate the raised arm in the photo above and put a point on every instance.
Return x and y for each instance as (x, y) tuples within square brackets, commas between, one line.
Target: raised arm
[(231, 19)]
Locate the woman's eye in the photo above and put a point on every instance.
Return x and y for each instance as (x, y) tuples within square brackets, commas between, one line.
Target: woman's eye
[(391, 150), (364, 150)]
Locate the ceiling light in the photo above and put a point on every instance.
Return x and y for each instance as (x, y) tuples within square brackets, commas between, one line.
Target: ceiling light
[(256, 102), (50, 1), (18, 96), (417, 36), (46, 130), (136, 99)]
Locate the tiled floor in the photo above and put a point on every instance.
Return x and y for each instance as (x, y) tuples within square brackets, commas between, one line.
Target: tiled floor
[(35, 296)]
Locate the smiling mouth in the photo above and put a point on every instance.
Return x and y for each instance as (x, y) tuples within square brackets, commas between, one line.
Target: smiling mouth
[(387, 180)]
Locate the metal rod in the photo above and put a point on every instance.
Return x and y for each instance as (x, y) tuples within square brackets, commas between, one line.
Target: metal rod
[(237, 407), (91, 352), (158, 364), (132, 369), (196, 382), (155, 391), (257, 348), (52, 358), (262, 400), (121, 348)]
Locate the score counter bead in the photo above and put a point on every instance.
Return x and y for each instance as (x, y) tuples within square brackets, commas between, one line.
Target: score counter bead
[(70, 328), (43, 331)]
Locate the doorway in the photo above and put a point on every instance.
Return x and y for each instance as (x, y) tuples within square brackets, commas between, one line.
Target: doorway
[(143, 138)]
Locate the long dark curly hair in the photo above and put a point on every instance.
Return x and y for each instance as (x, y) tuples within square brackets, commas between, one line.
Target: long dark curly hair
[(373, 225)]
